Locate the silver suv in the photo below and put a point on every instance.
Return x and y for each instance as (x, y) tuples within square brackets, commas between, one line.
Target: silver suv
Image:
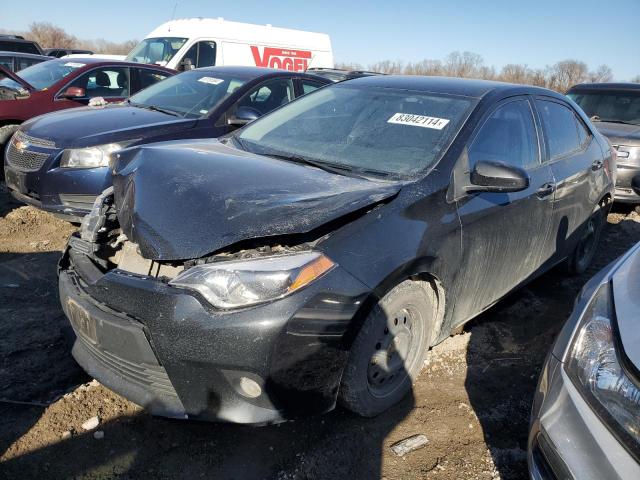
[(614, 108)]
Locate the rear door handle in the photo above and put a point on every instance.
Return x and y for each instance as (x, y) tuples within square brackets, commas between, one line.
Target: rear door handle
[(597, 165), (546, 190)]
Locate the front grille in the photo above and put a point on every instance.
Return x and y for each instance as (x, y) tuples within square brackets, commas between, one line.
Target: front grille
[(25, 160), (38, 142), (152, 377)]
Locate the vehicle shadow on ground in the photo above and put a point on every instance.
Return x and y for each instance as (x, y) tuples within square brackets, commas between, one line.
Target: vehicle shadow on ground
[(509, 344), (34, 337), (7, 202), (336, 445)]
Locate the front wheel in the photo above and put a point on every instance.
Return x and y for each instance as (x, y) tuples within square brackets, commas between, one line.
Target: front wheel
[(582, 256), (6, 132), (389, 351)]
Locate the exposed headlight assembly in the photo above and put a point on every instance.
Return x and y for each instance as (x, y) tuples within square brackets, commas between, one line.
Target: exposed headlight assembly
[(91, 157), (241, 283), (595, 368)]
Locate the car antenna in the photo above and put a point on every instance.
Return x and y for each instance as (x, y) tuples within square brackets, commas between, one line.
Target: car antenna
[(173, 14)]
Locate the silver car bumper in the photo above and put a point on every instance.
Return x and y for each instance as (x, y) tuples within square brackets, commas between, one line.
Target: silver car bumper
[(568, 440), (624, 193)]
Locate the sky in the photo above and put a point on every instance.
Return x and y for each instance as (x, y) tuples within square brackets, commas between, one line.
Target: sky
[(536, 33)]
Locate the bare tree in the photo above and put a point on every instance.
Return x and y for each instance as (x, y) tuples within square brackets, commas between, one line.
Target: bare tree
[(465, 64), (48, 35), (567, 73), (387, 66), (349, 66), (515, 73), (602, 74), (424, 67)]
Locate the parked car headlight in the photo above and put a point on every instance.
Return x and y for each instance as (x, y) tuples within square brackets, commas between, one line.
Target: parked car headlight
[(90, 157), (240, 283), (594, 367)]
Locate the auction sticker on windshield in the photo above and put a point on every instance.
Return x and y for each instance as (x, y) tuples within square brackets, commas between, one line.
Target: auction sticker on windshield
[(211, 80), (74, 64), (418, 121)]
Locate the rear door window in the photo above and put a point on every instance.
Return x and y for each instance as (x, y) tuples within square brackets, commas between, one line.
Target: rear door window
[(7, 63), (269, 95), (508, 135), (309, 86), (145, 77), (25, 62), (560, 128), (107, 82)]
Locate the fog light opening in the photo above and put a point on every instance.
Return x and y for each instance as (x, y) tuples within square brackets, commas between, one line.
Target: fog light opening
[(250, 388)]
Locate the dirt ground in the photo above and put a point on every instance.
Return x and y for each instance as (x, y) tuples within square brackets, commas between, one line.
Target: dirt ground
[(472, 401)]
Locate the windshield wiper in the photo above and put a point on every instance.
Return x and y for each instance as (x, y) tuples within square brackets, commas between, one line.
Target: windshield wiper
[(338, 168), (154, 108)]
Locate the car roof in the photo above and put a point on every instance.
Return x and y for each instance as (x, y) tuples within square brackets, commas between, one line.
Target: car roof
[(607, 86), (66, 49), (343, 71), (16, 39), (8, 53), (448, 85), (105, 61), (253, 72)]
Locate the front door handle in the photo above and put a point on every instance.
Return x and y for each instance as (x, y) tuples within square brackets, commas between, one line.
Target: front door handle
[(546, 190), (597, 165)]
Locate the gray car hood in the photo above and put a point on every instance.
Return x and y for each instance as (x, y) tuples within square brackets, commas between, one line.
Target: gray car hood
[(620, 133), (185, 199), (626, 293)]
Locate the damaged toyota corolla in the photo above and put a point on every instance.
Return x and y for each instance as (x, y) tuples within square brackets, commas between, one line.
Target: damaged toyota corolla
[(316, 255)]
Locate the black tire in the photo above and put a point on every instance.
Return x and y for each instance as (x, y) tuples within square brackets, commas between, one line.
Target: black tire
[(6, 132), (581, 258), (391, 346)]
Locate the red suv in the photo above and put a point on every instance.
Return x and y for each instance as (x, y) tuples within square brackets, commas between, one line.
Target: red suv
[(67, 83)]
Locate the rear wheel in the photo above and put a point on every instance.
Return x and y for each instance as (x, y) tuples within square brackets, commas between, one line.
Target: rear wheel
[(584, 252), (389, 351)]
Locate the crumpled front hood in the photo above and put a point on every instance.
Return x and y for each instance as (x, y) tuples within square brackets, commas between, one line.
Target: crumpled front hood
[(182, 200), (620, 133), (84, 126)]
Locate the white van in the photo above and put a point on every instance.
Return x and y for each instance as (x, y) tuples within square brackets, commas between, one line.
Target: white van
[(203, 42)]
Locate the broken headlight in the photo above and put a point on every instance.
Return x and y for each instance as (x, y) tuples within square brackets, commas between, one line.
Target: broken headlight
[(91, 157), (595, 368), (240, 283)]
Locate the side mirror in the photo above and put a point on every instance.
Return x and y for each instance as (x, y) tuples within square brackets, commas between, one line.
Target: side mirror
[(243, 116), (73, 92), (186, 65), (491, 176), (635, 184)]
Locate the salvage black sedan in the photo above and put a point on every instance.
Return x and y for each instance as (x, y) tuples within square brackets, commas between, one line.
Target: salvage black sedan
[(318, 253)]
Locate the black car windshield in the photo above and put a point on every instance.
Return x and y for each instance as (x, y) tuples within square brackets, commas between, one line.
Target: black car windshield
[(189, 94), (396, 132), (156, 50), (45, 74), (609, 106)]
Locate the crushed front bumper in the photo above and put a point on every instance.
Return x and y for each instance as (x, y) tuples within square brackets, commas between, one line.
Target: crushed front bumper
[(169, 351)]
